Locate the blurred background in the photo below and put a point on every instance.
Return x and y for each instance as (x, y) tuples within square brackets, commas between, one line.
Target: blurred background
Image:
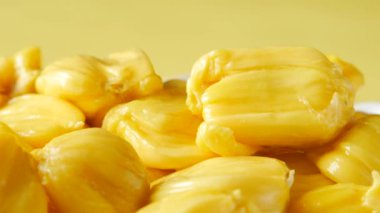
[(176, 33)]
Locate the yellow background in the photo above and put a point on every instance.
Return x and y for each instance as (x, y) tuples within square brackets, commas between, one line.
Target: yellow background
[(175, 33)]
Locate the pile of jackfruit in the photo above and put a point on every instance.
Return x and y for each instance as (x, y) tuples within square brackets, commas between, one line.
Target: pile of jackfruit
[(251, 130)]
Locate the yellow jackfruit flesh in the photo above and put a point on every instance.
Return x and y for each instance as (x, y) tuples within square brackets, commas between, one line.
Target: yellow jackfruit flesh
[(39, 118), (20, 188), (349, 71), (195, 202), (341, 197), (221, 141), (95, 85), (274, 102), (91, 170), (18, 73), (354, 155), (306, 175), (284, 97), (160, 128), (154, 174), (223, 184)]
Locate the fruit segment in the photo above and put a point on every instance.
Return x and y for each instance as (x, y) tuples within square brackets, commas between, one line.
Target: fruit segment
[(354, 155), (195, 202), (341, 197), (18, 73), (223, 184), (20, 188), (160, 128), (307, 177), (284, 96), (95, 85), (39, 118), (91, 170), (349, 71)]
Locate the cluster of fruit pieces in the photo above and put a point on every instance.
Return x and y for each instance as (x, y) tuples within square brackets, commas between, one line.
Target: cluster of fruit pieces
[(257, 130)]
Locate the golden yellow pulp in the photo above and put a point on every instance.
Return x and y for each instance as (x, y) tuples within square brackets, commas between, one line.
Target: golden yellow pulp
[(354, 155), (341, 197), (95, 85), (266, 96), (186, 147), (40, 118), (20, 188), (155, 174), (306, 175), (91, 170), (18, 73), (160, 128), (224, 184), (349, 71), (221, 141)]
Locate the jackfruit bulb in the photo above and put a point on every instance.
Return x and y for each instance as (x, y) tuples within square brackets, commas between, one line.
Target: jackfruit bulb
[(91, 170)]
